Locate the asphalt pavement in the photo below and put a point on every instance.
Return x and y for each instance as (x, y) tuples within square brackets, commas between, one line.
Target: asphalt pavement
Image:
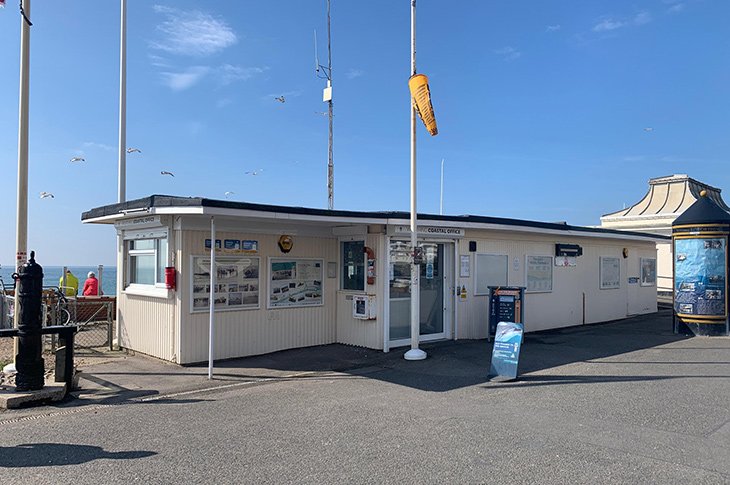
[(621, 402)]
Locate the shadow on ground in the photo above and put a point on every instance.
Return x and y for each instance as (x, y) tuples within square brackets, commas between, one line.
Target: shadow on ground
[(59, 454), (450, 365)]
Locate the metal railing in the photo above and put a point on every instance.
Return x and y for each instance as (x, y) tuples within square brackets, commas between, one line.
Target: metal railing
[(94, 318)]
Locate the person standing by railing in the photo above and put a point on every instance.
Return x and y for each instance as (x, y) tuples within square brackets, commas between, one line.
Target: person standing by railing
[(70, 287), (91, 285)]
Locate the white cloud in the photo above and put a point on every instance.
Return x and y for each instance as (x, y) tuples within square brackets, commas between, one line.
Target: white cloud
[(608, 24), (100, 146), (158, 61), (508, 53), (552, 28), (642, 18), (229, 73), (178, 81), (676, 8), (222, 103), (352, 73), (192, 32)]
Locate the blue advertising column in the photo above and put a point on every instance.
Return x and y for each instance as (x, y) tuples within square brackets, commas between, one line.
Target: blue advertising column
[(700, 240)]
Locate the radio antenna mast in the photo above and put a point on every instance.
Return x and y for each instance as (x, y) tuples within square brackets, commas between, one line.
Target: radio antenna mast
[(326, 73)]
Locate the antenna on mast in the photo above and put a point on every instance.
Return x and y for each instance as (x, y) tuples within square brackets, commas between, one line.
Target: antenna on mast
[(327, 98), (316, 54)]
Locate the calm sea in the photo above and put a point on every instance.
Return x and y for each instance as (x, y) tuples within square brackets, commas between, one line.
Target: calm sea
[(52, 274)]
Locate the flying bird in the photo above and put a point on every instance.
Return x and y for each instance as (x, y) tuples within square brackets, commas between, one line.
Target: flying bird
[(165, 172), (648, 129), (46, 195), (254, 172), (78, 159), (132, 150), (280, 99)]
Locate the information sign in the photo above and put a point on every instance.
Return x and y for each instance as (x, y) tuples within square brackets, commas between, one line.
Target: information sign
[(505, 305), (506, 350)]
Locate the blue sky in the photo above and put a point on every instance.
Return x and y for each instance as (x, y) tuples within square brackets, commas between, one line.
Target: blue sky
[(542, 106)]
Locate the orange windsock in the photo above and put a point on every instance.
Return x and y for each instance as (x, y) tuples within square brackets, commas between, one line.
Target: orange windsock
[(418, 84)]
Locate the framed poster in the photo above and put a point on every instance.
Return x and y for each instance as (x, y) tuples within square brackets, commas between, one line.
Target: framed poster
[(464, 266), (539, 274), (648, 272), (295, 282), (236, 283), (610, 272), (490, 270)]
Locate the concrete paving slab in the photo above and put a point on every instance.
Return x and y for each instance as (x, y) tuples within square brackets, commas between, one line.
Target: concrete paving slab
[(51, 392)]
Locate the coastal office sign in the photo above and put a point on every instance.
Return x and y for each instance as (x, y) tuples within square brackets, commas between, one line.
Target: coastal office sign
[(146, 221), (432, 231)]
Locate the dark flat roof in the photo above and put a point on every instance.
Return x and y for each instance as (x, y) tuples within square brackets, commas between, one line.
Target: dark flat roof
[(160, 201)]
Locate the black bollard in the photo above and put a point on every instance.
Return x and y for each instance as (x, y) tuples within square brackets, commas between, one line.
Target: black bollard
[(29, 293)]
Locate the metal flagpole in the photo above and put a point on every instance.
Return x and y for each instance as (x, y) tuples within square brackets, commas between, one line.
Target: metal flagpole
[(211, 298), (415, 353), (441, 205), (122, 182), (122, 175), (21, 221)]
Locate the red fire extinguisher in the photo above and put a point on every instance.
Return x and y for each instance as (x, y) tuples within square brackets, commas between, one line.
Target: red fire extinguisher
[(170, 277), (370, 265)]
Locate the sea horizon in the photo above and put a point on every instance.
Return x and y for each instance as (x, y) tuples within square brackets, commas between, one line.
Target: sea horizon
[(52, 275)]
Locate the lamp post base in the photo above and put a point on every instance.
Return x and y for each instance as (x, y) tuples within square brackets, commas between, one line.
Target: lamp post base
[(415, 354)]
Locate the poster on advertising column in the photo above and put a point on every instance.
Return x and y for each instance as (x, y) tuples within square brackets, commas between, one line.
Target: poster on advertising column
[(295, 282), (699, 276)]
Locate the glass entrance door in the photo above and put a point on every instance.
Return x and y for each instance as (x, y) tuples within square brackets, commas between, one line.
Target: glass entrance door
[(432, 282)]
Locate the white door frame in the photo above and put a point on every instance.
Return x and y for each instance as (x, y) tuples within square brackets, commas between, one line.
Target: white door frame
[(448, 303)]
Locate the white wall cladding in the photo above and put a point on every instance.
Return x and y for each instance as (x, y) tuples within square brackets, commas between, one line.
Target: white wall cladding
[(252, 332), (564, 305), (364, 333), (148, 325)]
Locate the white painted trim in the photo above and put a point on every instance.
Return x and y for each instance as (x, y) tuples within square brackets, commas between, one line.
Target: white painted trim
[(157, 291)]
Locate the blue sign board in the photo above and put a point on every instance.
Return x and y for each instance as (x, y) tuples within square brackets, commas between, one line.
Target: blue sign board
[(506, 350)]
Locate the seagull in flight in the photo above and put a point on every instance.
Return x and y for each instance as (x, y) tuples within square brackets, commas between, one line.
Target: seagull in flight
[(46, 195), (165, 172), (132, 150), (78, 159), (254, 172), (280, 99)]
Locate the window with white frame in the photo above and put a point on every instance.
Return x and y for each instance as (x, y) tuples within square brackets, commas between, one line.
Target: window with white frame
[(353, 265), (146, 260)]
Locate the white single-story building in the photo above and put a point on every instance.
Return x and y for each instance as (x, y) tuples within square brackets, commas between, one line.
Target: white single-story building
[(289, 277)]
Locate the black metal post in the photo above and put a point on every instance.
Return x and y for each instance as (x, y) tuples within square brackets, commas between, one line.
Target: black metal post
[(29, 292)]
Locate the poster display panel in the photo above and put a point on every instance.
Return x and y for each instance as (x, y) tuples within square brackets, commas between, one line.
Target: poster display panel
[(237, 283), (610, 269), (699, 276), (295, 282), (539, 274), (506, 350), (648, 272)]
